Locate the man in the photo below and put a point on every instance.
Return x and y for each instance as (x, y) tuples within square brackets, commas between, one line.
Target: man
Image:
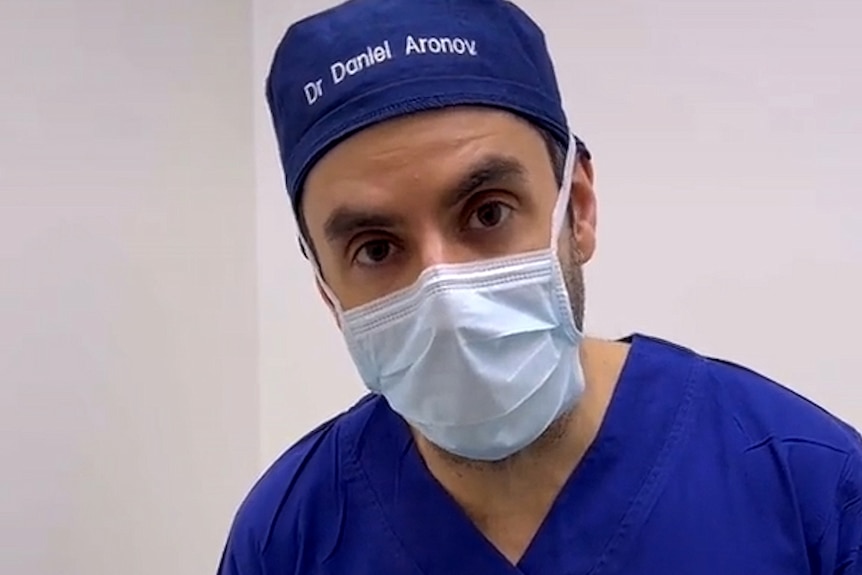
[(447, 212)]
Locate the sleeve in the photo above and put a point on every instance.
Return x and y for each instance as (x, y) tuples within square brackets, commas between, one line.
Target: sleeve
[(841, 543), (240, 556)]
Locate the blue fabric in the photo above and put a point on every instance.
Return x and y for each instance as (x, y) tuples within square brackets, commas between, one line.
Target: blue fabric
[(366, 61), (700, 468)]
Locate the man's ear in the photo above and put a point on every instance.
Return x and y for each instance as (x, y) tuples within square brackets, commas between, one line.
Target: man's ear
[(583, 209), (329, 303)]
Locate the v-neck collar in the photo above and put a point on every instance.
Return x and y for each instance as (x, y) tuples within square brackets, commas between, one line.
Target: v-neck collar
[(600, 508)]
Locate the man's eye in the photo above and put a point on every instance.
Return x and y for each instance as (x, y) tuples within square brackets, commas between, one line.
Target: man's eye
[(374, 253), (489, 215)]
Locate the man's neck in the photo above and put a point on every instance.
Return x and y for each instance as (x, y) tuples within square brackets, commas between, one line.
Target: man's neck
[(526, 485)]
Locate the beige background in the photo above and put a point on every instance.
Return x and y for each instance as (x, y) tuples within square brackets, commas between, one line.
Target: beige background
[(128, 339), (160, 337)]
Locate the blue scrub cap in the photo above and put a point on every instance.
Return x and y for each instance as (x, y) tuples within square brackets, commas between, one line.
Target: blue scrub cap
[(366, 61)]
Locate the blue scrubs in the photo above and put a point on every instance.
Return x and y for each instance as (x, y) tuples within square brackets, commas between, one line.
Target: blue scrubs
[(700, 468)]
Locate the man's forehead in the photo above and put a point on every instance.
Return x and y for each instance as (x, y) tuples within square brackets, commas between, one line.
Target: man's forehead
[(442, 143)]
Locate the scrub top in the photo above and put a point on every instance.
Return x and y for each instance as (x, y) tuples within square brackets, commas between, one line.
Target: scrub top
[(701, 467)]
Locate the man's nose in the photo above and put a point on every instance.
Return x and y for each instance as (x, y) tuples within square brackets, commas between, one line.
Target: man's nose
[(436, 249)]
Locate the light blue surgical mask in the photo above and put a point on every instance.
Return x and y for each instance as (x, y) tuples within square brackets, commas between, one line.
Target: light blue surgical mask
[(479, 357)]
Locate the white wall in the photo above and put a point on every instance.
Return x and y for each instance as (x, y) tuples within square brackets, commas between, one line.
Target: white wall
[(128, 401), (725, 135), (305, 372)]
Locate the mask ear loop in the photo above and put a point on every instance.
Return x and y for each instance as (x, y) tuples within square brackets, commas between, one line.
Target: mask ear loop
[(562, 205), (559, 217), (339, 311)]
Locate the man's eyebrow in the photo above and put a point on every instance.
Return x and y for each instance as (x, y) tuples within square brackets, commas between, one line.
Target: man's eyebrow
[(345, 222), (490, 171)]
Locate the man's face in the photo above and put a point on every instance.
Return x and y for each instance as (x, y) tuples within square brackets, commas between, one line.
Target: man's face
[(439, 187)]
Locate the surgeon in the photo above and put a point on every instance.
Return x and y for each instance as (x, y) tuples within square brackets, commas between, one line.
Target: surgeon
[(447, 210)]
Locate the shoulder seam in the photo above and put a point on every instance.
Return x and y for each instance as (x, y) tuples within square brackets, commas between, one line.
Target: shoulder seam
[(833, 517), (717, 381), (314, 437)]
